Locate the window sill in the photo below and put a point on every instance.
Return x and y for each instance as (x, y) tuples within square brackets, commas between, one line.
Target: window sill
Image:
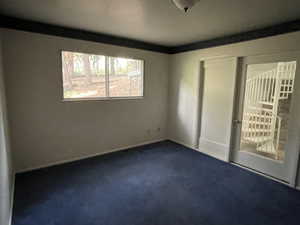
[(101, 99)]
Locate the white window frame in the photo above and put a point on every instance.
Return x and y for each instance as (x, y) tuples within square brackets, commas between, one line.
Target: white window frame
[(107, 97)]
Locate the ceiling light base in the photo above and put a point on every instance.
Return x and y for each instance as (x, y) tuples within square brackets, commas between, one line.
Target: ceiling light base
[(185, 5)]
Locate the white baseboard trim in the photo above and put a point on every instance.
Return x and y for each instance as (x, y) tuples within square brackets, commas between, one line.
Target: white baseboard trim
[(214, 149), (90, 156), (298, 188), (194, 148), (184, 144)]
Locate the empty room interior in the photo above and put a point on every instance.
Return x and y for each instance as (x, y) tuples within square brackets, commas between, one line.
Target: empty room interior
[(149, 112)]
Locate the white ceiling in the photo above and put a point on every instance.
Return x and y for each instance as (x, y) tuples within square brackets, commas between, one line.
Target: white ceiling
[(156, 21)]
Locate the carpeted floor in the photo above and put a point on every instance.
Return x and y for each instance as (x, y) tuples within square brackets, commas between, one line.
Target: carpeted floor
[(157, 184)]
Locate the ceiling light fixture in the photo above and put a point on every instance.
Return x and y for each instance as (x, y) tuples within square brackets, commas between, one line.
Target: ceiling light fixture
[(185, 5)]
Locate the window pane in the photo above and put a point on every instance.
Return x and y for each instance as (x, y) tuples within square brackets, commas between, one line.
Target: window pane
[(83, 75), (125, 77), (266, 112)]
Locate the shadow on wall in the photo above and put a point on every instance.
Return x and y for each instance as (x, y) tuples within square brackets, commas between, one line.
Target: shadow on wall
[(186, 119)]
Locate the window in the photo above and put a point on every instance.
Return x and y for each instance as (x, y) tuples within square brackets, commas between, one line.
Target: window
[(88, 76)]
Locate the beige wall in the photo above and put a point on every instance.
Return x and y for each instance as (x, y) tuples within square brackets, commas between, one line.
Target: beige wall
[(6, 174), (185, 82), (46, 130)]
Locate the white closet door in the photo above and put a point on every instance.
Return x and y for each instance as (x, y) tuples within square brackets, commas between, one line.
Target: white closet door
[(217, 106)]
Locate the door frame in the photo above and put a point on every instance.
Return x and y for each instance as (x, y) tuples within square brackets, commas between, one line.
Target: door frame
[(240, 76), (237, 61)]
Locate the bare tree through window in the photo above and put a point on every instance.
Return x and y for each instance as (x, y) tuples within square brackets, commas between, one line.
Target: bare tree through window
[(125, 77), (87, 76)]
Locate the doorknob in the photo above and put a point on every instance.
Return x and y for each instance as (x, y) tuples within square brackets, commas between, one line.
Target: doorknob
[(237, 121)]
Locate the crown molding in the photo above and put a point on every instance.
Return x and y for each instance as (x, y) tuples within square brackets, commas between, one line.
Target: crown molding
[(278, 29), (43, 28), (55, 30)]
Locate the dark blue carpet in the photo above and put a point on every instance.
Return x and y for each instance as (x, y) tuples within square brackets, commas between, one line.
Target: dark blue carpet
[(157, 184)]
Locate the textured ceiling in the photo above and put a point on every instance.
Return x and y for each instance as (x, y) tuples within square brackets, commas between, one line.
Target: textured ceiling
[(157, 21)]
